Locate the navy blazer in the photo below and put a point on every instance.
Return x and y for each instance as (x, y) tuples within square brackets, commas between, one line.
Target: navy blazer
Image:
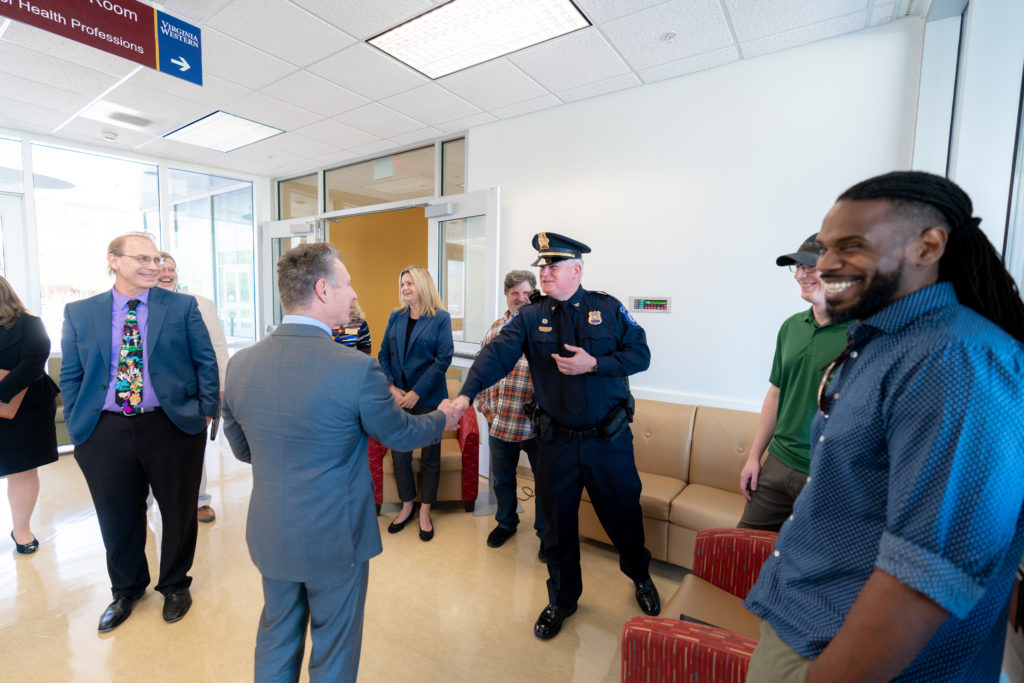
[(430, 353), (182, 363)]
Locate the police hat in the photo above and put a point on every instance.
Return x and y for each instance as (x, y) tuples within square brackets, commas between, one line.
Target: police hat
[(806, 254), (552, 248)]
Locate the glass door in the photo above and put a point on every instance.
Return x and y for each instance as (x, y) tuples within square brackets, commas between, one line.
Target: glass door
[(14, 261), (277, 237)]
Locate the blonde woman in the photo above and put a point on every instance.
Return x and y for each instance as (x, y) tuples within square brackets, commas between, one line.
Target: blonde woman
[(415, 353), (29, 439)]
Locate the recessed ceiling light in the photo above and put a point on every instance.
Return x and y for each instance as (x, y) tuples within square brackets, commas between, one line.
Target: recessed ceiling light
[(464, 33), (223, 132)]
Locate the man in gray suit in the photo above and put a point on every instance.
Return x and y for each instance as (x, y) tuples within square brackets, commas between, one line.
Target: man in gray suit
[(299, 407)]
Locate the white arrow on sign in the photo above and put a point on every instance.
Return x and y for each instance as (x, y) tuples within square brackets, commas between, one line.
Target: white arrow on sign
[(180, 61)]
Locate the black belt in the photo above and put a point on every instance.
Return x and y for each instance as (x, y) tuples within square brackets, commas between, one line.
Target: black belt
[(135, 411), (575, 434), (547, 429)]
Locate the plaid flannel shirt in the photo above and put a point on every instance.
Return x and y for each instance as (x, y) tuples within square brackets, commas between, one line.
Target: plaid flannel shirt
[(502, 403)]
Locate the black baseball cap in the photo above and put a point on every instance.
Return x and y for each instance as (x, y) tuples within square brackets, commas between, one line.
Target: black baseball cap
[(806, 254)]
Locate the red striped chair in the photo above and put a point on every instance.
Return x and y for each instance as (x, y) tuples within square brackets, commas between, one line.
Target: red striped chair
[(715, 643)]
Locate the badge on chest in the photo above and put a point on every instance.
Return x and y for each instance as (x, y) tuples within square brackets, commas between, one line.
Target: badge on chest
[(594, 317)]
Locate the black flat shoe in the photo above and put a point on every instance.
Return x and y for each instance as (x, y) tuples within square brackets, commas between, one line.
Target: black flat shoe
[(647, 597), (549, 623), (427, 535), (26, 548), (176, 604), (117, 612), (395, 527)]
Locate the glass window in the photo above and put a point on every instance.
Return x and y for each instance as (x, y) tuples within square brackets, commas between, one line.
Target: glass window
[(212, 241), (462, 276), (11, 177), (453, 173), (406, 175), (297, 197), (82, 202)]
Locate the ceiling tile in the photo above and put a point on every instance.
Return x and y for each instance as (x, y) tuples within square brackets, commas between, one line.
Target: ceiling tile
[(496, 83), (368, 72), (883, 13), (281, 29), (699, 26), (378, 120), (371, 148), (365, 19), (30, 92), (430, 104), (92, 132), (600, 88), (804, 35), (303, 148), (215, 91), (29, 117), (528, 107), (421, 135), (307, 91), (52, 71), (755, 18), (192, 11), (157, 105), (599, 11), (682, 67), (240, 63), (570, 61), (272, 112), (466, 123), (52, 44), (336, 134)]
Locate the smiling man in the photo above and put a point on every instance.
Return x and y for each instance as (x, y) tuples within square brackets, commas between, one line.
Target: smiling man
[(581, 346), (140, 384), (899, 560), (806, 342)]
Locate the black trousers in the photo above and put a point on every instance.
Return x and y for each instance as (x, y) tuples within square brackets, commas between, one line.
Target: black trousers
[(430, 467), (121, 460), (608, 471)]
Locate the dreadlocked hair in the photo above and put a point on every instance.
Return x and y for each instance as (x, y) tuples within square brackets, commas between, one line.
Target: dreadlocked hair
[(970, 262)]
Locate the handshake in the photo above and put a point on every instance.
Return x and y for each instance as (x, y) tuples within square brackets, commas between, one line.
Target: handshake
[(453, 410)]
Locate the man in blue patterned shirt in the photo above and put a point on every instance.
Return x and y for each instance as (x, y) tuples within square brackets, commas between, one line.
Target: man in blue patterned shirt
[(899, 558)]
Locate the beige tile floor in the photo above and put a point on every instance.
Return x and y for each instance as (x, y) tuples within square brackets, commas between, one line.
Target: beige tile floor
[(452, 609)]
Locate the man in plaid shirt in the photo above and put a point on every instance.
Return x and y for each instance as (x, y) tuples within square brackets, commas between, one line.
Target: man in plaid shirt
[(511, 431)]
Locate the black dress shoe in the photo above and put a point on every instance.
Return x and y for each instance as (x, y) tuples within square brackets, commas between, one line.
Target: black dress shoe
[(549, 623), (497, 538), (25, 548), (117, 612), (395, 527), (176, 604), (427, 535), (647, 597)]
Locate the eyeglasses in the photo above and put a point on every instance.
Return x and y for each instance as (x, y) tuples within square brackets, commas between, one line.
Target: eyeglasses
[(824, 400), (794, 267), (144, 260)]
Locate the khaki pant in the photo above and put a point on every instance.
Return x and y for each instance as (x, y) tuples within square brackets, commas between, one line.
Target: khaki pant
[(775, 662)]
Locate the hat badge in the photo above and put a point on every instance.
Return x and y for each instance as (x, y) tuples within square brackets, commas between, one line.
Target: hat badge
[(542, 240)]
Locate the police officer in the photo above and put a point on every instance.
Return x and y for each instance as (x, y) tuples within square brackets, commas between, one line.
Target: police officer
[(581, 347)]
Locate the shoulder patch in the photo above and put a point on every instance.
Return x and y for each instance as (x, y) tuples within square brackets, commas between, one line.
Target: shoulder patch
[(629, 318), (509, 321)]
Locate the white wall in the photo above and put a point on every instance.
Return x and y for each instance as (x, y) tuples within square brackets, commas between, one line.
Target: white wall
[(691, 187)]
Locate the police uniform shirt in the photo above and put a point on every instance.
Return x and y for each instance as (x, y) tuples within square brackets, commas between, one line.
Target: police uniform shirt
[(603, 327)]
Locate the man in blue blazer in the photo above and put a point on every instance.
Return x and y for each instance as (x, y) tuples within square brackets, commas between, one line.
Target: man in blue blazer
[(139, 382), (299, 407)]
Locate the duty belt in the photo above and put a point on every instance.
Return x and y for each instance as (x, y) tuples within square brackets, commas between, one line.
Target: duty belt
[(546, 428)]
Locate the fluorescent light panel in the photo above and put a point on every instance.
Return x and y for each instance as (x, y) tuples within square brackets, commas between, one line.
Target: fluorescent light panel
[(464, 33), (223, 132)]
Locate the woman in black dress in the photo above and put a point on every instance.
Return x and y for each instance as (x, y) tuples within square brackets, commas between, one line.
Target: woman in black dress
[(29, 439)]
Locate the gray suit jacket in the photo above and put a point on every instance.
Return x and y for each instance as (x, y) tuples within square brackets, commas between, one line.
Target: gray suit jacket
[(299, 407)]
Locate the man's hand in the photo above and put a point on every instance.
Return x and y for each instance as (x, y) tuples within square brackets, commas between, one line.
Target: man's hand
[(397, 394), (451, 418), (579, 363), (460, 404), (748, 475), (409, 399)]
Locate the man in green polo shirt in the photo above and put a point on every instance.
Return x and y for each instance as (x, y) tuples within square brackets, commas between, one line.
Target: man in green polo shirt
[(807, 342)]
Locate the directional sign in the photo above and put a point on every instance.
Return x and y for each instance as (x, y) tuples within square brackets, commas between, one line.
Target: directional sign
[(126, 28)]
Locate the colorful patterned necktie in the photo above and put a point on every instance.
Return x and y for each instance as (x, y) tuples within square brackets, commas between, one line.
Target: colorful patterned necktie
[(128, 392)]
